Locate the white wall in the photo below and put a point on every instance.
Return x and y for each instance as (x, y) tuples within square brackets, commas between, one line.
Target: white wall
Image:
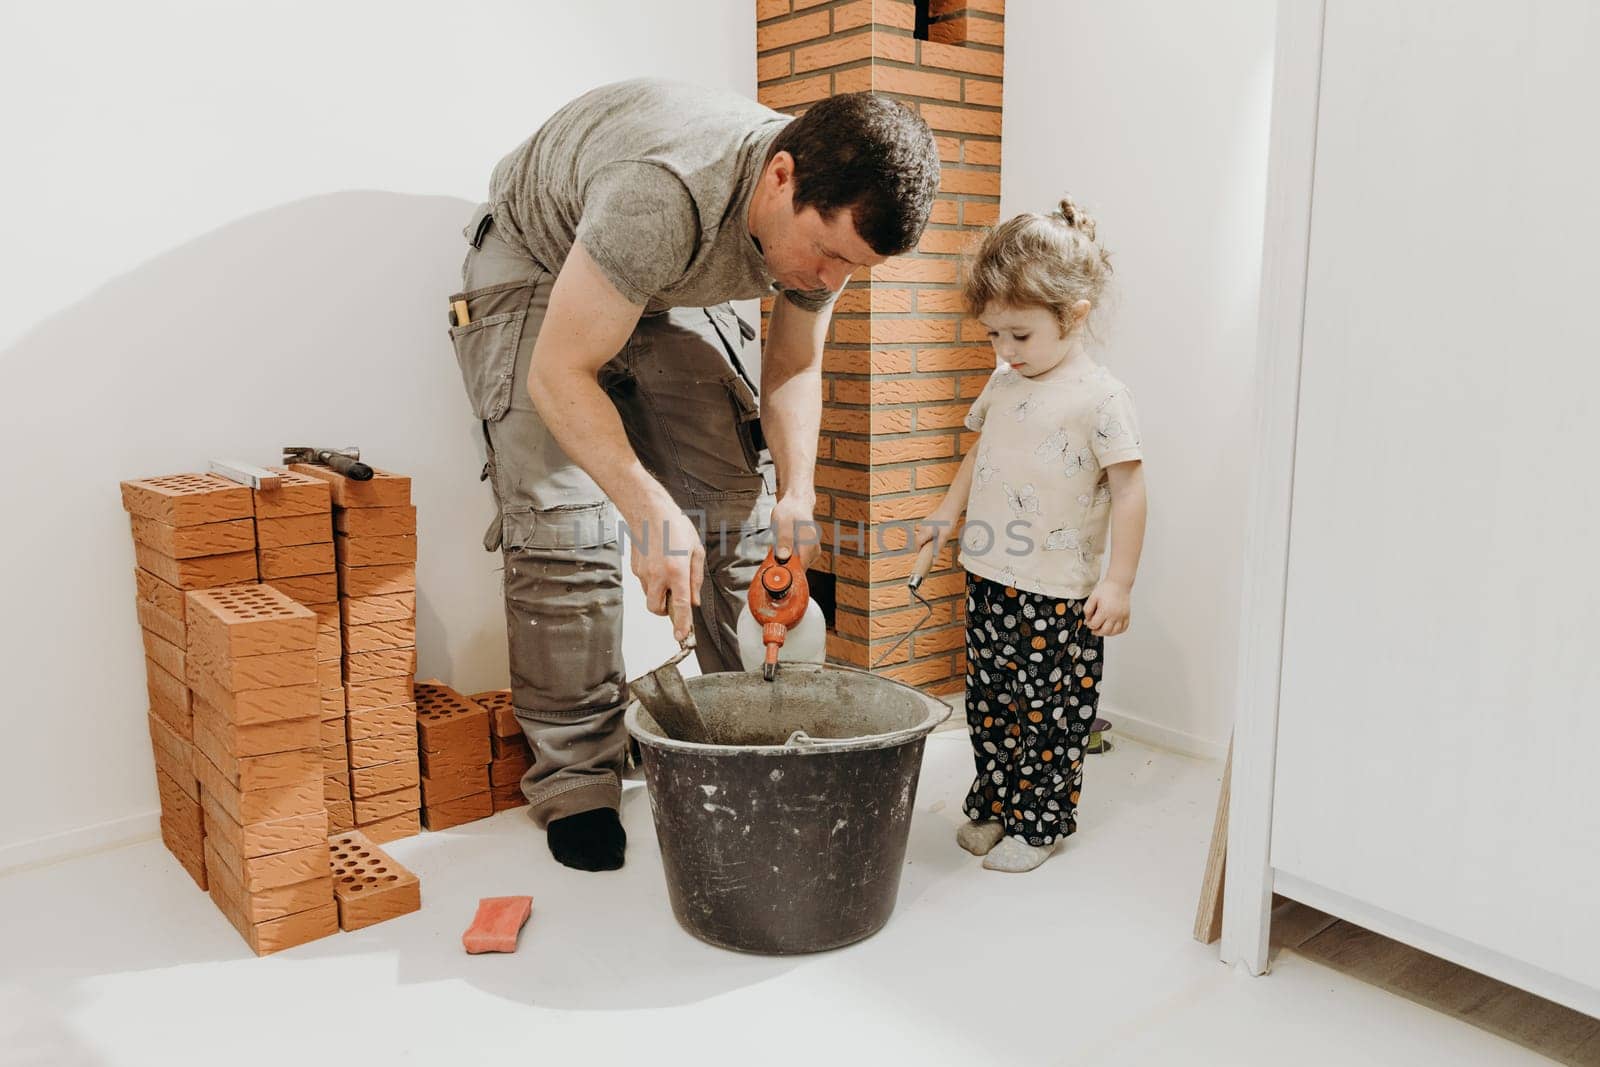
[(230, 227), (1153, 115)]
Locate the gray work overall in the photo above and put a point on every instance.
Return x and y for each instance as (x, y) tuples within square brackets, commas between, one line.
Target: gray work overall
[(691, 414)]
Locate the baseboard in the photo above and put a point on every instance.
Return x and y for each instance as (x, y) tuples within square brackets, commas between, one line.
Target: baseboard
[(68, 844), (1124, 724)]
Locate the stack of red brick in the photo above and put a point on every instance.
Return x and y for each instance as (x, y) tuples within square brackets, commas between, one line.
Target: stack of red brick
[(251, 659), (509, 746), (294, 538), (454, 748), (368, 885), (190, 531), (375, 547)]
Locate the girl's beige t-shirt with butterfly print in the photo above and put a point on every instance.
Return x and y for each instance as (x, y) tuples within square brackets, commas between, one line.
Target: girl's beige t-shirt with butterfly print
[(1040, 504)]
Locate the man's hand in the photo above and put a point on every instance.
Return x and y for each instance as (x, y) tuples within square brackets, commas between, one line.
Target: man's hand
[(794, 527), (1106, 610), (669, 560)]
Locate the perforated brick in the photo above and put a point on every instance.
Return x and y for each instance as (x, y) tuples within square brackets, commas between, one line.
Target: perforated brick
[(384, 489), (174, 756), (453, 764), (294, 530), (507, 797), (330, 674), (377, 581), (331, 733), (166, 597), (379, 693), (378, 636), (237, 674), (504, 747), (371, 722), (273, 770), (186, 542), (456, 812), (376, 522), (249, 621), (275, 935), (258, 873), (168, 656), (509, 770), (294, 561), (180, 812), (375, 551), (370, 666), (262, 838), (448, 722), (366, 610), (335, 761), (386, 805), (167, 627), (367, 883), (393, 827), (327, 615), (333, 704), (266, 905), (453, 786), (190, 857), (336, 789), (169, 697), (342, 816), (502, 714), (309, 588), (259, 805), (282, 735), (384, 778), (383, 748), (254, 707), (186, 499), (297, 494), (201, 572)]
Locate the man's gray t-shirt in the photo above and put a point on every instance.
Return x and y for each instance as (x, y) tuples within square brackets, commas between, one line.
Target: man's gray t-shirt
[(655, 178)]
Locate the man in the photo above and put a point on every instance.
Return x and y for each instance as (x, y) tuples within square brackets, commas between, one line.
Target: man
[(598, 347)]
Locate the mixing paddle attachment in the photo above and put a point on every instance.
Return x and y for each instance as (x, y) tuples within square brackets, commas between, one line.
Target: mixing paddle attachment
[(918, 572)]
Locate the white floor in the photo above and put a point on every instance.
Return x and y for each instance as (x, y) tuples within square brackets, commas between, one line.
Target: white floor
[(116, 958)]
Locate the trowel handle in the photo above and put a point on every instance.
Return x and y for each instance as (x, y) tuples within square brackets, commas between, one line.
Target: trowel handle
[(924, 563)]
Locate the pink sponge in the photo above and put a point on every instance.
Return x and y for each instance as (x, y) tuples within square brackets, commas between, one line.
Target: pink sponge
[(497, 924)]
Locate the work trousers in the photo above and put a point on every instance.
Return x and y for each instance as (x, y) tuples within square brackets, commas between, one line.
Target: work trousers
[(1033, 684), (691, 412)]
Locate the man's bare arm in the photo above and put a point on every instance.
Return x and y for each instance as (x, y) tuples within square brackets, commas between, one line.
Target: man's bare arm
[(587, 323), (791, 414)]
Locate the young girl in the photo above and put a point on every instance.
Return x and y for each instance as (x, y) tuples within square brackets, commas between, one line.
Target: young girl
[(1055, 470)]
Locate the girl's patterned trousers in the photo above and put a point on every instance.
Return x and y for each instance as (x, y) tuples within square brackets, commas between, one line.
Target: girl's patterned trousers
[(1033, 682)]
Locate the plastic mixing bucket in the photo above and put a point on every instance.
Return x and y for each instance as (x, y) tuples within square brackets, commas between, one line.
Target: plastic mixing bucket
[(784, 830)]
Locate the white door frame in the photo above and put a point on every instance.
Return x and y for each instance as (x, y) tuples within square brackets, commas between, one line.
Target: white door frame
[(1291, 158), (1250, 877)]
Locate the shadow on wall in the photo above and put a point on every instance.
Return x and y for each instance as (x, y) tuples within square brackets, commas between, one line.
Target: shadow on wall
[(320, 321)]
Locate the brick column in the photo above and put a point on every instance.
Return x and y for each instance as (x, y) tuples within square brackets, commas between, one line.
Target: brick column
[(902, 365)]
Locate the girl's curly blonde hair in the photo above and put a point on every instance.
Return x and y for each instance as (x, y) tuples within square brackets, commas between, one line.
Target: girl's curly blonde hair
[(1035, 260)]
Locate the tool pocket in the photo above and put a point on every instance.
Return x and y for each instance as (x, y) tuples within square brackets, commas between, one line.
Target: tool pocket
[(486, 346), (743, 391)]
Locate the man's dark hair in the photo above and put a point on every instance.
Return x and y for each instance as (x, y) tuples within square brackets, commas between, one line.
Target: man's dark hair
[(870, 155)]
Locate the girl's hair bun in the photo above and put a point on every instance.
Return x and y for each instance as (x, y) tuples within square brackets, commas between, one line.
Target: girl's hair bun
[(1075, 217)]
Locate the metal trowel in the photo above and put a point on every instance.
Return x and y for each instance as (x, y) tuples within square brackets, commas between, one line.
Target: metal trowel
[(666, 697)]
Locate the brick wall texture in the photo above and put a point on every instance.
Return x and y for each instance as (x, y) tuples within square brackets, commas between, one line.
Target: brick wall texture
[(902, 364)]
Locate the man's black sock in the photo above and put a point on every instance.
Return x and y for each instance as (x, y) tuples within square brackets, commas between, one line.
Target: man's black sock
[(588, 841)]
